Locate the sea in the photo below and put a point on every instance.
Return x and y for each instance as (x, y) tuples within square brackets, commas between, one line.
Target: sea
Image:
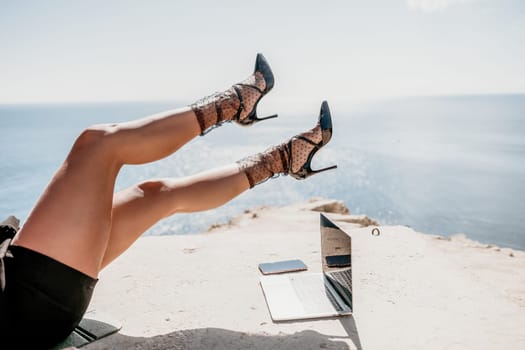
[(442, 165)]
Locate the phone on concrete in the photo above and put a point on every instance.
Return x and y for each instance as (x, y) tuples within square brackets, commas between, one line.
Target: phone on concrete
[(282, 267)]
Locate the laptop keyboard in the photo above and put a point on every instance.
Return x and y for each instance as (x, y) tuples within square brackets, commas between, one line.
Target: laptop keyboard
[(314, 296), (343, 277), (342, 282)]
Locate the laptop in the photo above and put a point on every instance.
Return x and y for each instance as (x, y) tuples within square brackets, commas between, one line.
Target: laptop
[(296, 296)]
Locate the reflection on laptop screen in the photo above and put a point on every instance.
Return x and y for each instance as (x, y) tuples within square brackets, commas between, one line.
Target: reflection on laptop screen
[(336, 252)]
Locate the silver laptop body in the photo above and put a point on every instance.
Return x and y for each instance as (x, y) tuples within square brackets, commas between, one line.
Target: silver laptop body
[(296, 296)]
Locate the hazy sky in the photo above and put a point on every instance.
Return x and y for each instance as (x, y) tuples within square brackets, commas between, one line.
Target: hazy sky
[(338, 50)]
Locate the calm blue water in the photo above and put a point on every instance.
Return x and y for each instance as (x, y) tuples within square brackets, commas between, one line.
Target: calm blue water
[(441, 165)]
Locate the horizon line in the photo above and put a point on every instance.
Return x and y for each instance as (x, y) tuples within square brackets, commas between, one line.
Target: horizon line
[(160, 100)]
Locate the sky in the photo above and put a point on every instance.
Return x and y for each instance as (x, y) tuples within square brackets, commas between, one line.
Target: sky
[(78, 51)]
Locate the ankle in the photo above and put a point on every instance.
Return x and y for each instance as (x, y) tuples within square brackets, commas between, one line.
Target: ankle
[(216, 109), (263, 166)]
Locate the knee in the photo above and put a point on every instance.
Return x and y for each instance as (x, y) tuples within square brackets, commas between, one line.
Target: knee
[(153, 187), (93, 138), (158, 192)]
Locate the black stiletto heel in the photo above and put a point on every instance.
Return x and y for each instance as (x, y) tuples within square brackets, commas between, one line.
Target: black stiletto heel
[(296, 152), (325, 121), (261, 66)]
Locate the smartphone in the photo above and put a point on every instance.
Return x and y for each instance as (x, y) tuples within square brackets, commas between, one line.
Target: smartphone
[(282, 267)]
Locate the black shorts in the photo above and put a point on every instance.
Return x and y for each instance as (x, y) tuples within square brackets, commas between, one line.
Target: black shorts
[(44, 300)]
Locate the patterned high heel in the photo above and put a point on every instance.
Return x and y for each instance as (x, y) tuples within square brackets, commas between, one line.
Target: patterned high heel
[(292, 158), (238, 103)]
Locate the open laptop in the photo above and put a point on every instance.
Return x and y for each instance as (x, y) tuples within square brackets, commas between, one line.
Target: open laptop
[(298, 296)]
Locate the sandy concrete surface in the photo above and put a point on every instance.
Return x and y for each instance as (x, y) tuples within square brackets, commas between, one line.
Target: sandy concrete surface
[(411, 290)]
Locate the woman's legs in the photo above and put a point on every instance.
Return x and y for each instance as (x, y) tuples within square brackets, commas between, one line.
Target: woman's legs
[(137, 208), (78, 220), (72, 220)]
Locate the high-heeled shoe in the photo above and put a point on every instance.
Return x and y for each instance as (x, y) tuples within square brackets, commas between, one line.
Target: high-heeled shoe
[(292, 158), (238, 103)]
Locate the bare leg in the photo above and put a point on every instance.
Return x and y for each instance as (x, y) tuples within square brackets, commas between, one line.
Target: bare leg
[(71, 221), (137, 208)]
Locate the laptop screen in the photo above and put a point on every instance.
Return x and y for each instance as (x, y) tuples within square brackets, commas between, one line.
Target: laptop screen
[(336, 246), (336, 253)]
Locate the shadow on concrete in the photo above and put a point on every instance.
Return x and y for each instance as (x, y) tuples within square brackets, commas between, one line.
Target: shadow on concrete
[(350, 327), (223, 339), (347, 322)]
